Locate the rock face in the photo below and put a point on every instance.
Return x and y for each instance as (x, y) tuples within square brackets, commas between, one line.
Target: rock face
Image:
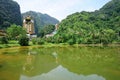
[(9, 13)]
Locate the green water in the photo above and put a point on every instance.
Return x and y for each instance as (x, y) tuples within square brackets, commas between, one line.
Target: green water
[(61, 63)]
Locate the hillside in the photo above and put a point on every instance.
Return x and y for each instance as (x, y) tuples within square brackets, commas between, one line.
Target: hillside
[(40, 19), (100, 26), (9, 13)]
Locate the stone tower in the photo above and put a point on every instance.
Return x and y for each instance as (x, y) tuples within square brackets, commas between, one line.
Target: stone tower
[(28, 24)]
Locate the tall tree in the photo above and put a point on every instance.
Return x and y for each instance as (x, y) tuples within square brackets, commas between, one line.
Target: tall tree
[(14, 31)]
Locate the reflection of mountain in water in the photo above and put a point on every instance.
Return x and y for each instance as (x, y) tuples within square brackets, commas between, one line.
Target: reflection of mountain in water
[(61, 73)]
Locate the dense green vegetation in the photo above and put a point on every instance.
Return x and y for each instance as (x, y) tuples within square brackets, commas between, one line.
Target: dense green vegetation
[(14, 35), (23, 40), (3, 40), (41, 20), (102, 26), (14, 32), (9, 13)]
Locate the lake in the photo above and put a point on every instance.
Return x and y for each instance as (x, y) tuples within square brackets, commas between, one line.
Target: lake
[(60, 63)]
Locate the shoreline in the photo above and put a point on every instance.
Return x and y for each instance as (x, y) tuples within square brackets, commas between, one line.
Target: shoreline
[(60, 45)]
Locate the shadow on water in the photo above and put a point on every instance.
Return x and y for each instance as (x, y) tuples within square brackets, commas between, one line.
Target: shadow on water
[(68, 63)]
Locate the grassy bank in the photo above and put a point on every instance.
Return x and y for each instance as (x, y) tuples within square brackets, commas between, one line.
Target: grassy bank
[(10, 44), (15, 44)]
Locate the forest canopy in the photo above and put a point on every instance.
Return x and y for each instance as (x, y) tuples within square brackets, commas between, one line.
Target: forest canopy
[(100, 26)]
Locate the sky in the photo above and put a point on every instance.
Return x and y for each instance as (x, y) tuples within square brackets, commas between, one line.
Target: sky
[(60, 9)]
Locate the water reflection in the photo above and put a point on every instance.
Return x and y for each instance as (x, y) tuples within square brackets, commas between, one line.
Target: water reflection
[(28, 65), (37, 63), (61, 73), (55, 56), (69, 63)]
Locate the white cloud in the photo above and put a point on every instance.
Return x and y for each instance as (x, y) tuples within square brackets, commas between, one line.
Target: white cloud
[(60, 8)]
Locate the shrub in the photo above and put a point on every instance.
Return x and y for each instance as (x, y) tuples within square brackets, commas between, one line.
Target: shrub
[(24, 41), (71, 42), (40, 41), (4, 40), (34, 40)]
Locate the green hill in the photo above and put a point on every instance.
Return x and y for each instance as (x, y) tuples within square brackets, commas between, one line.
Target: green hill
[(9, 13), (100, 26), (40, 19)]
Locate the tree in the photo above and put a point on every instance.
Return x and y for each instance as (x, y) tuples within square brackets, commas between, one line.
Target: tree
[(107, 36), (14, 31), (23, 40)]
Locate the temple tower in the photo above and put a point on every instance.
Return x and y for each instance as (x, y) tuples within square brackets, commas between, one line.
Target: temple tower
[(28, 24)]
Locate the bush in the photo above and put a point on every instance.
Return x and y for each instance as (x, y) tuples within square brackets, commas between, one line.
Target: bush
[(71, 42), (4, 40), (24, 41), (40, 41), (34, 40)]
